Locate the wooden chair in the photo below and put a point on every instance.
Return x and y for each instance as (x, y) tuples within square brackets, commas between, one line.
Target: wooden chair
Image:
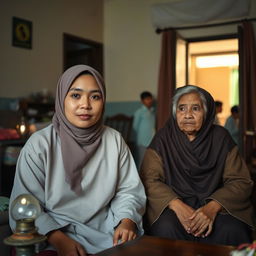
[(121, 123)]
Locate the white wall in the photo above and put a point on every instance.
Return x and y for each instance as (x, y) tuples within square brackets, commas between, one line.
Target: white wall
[(23, 71), (132, 48)]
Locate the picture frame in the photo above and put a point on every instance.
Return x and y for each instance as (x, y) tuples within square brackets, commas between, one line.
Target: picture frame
[(21, 33)]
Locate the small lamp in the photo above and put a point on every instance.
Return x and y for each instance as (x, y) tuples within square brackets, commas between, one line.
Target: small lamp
[(24, 210), (22, 127)]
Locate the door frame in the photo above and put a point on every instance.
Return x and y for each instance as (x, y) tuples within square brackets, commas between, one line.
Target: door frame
[(241, 96), (98, 47)]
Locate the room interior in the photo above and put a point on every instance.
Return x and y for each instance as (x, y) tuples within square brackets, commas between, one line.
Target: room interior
[(129, 50)]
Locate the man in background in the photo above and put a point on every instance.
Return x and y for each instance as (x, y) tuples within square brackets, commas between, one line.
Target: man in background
[(218, 110), (232, 124), (143, 126)]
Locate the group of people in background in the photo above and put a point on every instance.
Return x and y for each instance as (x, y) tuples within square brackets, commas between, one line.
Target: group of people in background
[(190, 182)]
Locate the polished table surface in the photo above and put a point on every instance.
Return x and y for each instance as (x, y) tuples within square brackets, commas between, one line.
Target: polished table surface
[(155, 246)]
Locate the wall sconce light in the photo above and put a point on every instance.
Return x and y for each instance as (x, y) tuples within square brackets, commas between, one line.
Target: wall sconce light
[(24, 210)]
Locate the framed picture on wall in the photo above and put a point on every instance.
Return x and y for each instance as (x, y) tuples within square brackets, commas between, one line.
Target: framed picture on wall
[(21, 33)]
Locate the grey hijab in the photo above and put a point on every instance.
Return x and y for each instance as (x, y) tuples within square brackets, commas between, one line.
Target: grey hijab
[(77, 144)]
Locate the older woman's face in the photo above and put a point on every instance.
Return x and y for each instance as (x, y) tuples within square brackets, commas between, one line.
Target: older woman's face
[(190, 114)]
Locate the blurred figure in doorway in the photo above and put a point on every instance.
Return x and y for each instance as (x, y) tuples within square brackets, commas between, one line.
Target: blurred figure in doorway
[(232, 124), (218, 109)]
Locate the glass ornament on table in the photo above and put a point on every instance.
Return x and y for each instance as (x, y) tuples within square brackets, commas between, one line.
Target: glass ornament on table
[(25, 209)]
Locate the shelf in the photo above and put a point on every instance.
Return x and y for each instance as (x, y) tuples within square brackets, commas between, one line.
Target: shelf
[(39, 111)]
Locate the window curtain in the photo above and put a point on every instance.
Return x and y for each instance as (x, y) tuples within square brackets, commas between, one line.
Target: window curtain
[(247, 81), (167, 79)]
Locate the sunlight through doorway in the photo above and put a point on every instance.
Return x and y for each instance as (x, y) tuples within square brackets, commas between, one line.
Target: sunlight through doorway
[(213, 65)]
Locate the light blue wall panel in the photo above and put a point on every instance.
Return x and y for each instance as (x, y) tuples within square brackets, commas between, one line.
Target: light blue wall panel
[(126, 107)]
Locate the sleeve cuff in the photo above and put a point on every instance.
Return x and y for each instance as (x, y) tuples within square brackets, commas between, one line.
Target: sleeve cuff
[(137, 221)]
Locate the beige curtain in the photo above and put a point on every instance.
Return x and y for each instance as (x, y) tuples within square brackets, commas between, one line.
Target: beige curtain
[(167, 80)]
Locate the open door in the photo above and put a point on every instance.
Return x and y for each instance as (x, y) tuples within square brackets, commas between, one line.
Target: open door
[(77, 50)]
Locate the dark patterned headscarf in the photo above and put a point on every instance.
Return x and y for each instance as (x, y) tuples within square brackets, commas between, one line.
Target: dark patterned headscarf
[(193, 169), (77, 144)]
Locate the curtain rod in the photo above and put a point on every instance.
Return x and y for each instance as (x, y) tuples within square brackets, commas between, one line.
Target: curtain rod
[(159, 30)]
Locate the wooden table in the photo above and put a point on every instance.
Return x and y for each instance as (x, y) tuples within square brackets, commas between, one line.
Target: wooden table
[(155, 246)]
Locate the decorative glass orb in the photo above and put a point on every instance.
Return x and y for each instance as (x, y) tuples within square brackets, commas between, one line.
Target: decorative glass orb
[(25, 206)]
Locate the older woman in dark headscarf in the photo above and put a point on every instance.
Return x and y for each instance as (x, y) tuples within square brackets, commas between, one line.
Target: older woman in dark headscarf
[(198, 186), (82, 172)]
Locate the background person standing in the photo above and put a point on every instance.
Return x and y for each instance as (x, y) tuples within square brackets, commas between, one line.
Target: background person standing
[(232, 124), (143, 125), (218, 110)]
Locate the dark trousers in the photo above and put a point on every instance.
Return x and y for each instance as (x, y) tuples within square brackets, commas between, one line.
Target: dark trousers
[(227, 230)]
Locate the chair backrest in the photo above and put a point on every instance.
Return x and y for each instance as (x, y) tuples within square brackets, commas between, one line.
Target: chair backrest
[(121, 123)]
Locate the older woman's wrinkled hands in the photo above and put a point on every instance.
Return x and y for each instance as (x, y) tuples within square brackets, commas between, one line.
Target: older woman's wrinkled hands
[(203, 218), (183, 212), (125, 231)]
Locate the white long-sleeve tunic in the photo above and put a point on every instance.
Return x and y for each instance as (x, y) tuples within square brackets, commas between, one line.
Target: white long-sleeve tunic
[(112, 189)]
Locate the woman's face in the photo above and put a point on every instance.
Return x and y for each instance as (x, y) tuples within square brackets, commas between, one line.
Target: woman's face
[(84, 103), (190, 114)]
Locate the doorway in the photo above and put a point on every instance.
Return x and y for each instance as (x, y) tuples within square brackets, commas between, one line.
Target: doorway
[(212, 65), (77, 50)]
